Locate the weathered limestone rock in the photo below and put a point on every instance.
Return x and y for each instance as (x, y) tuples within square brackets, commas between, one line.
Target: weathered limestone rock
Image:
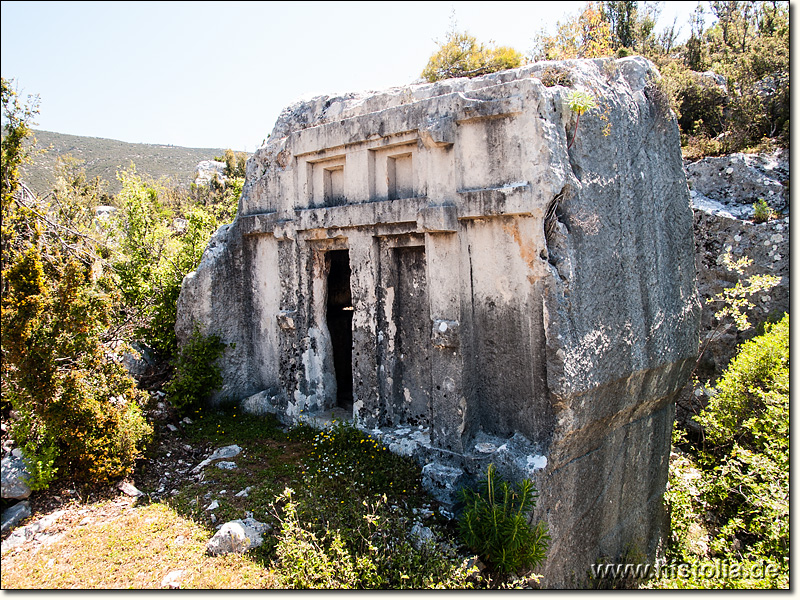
[(14, 515), (722, 203), (207, 170), (139, 360), (129, 489), (237, 537), (35, 531), (14, 476), (434, 259), (224, 452), (729, 185), (172, 580)]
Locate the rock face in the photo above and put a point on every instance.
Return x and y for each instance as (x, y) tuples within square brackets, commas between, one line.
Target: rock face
[(15, 477), (435, 259), (723, 208), (728, 186), (207, 170)]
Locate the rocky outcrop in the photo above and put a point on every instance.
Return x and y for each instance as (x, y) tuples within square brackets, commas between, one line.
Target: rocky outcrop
[(723, 191), (447, 261), (209, 170), (728, 186), (15, 476), (37, 531)]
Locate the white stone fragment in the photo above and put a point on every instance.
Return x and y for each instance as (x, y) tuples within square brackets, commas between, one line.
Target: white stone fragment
[(237, 537), (172, 580), (129, 489), (224, 452)]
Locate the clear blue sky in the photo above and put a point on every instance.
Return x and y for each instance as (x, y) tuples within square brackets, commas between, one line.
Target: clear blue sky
[(217, 74)]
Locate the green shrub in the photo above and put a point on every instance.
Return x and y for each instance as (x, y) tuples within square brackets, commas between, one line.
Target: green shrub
[(461, 55), (39, 450), (579, 102), (747, 431), (305, 562), (495, 524), (79, 409), (153, 257), (730, 502), (357, 491), (367, 548), (197, 375), (235, 163)]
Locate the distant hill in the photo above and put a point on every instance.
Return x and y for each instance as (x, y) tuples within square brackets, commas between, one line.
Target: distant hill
[(105, 157)]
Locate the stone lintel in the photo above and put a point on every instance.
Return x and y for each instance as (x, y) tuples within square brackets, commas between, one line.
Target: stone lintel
[(438, 219), (512, 199)]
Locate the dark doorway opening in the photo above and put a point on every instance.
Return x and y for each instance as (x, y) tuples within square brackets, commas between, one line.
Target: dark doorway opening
[(339, 316)]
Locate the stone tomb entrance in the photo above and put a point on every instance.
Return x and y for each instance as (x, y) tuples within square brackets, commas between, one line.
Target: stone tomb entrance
[(339, 318), (402, 345)]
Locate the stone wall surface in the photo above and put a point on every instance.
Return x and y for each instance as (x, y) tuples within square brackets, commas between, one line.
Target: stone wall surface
[(723, 190), (513, 298)]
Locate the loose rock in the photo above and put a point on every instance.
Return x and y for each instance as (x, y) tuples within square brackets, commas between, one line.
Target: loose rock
[(14, 515), (237, 537), (15, 476), (172, 579), (421, 535), (129, 489), (224, 452)]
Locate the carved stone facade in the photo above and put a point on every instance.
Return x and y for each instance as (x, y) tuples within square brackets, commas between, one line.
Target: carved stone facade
[(435, 263)]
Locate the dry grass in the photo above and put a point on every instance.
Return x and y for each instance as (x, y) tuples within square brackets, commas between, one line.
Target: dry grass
[(128, 546)]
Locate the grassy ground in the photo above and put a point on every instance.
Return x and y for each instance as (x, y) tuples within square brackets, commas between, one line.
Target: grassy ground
[(134, 547), (347, 521)]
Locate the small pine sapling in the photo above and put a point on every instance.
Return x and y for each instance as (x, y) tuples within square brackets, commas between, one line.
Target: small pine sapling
[(495, 524)]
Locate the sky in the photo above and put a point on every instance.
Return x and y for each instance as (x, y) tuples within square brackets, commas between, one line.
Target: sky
[(218, 74)]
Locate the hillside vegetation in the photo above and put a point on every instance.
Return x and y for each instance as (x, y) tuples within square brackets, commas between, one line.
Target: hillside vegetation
[(104, 158)]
